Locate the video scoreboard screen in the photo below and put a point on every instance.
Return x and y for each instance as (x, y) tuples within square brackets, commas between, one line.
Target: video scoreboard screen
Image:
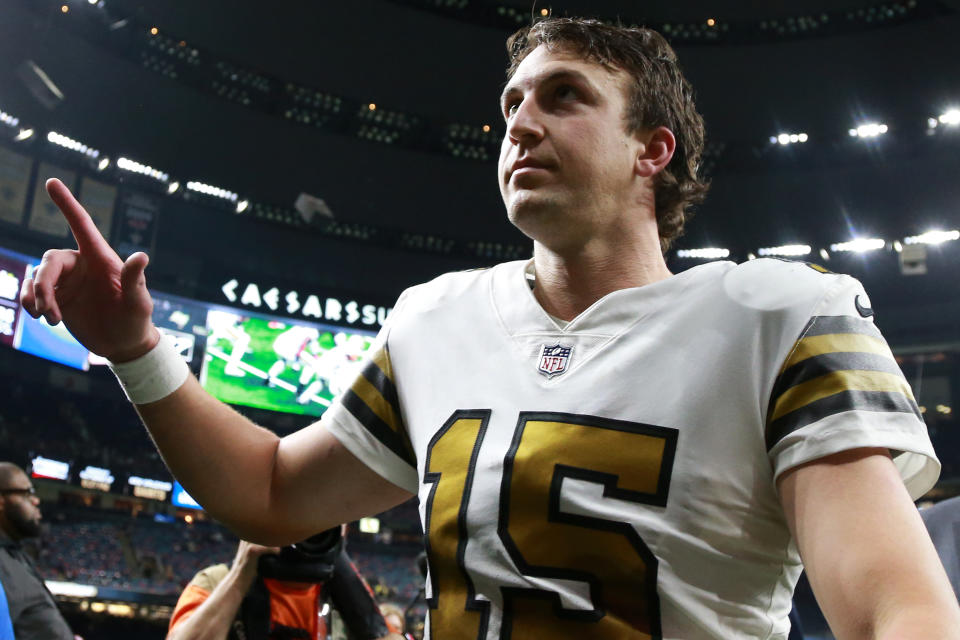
[(243, 357), (20, 330), (272, 363)]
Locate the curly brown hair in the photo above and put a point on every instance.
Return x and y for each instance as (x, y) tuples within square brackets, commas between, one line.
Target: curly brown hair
[(660, 96)]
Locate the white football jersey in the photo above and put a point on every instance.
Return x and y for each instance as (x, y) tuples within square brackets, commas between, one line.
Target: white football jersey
[(616, 478)]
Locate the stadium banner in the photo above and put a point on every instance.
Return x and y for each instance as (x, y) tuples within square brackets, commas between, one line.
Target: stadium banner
[(45, 217), (274, 296), (14, 182), (99, 199), (135, 228)]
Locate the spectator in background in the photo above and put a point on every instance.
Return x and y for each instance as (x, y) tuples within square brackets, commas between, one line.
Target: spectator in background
[(396, 620), (241, 602), (33, 611), (943, 523)]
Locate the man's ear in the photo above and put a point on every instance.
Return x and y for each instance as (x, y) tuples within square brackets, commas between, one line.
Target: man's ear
[(655, 152)]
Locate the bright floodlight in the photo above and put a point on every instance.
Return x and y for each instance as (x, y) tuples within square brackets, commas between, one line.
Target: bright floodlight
[(708, 253), (871, 130), (24, 134), (73, 145), (216, 192), (786, 250), (172, 187), (104, 163), (951, 117), (859, 245), (135, 167), (824, 254), (933, 237), (8, 119), (789, 138), (242, 206)]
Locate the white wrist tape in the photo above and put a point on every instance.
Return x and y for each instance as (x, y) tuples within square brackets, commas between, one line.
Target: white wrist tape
[(154, 375)]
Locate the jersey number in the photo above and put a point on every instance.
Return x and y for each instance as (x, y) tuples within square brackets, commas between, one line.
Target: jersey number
[(631, 461)]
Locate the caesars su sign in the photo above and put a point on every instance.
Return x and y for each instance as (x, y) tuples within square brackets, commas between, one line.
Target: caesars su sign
[(312, 306)]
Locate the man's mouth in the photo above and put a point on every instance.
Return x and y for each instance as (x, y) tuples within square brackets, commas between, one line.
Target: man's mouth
[(529, 165)]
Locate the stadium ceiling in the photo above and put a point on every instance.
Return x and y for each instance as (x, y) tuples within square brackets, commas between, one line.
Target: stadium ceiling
[(408, 59)]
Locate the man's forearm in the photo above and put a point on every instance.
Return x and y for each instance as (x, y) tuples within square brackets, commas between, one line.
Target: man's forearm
[(212, 619), (225, 461)]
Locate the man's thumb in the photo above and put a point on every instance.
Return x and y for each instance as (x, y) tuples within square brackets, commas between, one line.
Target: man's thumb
[(131, 274)]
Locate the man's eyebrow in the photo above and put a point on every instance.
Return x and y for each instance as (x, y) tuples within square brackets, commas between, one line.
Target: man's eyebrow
[(559, 74)]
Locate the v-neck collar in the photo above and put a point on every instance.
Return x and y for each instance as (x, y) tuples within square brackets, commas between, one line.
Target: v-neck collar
[(520, 313)]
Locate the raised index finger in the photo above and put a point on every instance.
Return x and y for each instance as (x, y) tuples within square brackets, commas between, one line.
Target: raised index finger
[(88, 237)]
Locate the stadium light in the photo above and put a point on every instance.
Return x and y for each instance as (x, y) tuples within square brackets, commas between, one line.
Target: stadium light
[(708, 253), (24, 134), (73, 145), (859, 245), (824, 254), (933, 237), (786, 250), (209, 190), (789, 138), (103, 164), (8, 119), (135, 167), (172, 187), (951, 118), (242, 206), (870, 130)]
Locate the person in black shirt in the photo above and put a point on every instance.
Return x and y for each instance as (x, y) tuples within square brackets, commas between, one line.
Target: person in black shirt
[(32, 609)]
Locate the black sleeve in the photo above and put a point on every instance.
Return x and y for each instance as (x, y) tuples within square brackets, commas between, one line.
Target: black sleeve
[(355, 602)]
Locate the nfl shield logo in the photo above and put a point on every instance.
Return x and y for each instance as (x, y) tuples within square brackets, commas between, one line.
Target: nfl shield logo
[(553, 360)]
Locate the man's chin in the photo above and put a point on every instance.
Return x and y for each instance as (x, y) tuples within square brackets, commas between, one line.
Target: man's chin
[(29, 528)]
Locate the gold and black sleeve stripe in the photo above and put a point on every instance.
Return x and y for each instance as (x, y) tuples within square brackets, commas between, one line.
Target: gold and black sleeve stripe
[(841, 363), (373, 401)]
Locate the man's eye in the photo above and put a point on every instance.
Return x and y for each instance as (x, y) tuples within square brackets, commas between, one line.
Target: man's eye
[(511, 108), (566, 92)]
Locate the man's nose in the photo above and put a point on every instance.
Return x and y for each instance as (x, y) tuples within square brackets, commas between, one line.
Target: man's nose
[(526, 123)]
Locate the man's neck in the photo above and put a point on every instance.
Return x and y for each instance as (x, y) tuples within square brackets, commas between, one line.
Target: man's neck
[(566, 285)]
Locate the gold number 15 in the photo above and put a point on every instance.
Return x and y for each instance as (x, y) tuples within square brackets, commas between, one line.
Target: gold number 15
[(631, 461)]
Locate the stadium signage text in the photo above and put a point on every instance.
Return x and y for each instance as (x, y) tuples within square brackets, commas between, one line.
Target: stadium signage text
[(96, 478), (293, 303), (147, 488)]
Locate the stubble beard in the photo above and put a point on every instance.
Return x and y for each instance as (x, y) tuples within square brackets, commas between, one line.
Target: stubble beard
[(25, 526)]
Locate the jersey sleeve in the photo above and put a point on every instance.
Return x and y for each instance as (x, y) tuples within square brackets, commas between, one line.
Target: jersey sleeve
[(367, 418), (841, 388)]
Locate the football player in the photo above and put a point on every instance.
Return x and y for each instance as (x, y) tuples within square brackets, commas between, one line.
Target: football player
[(614, 452)]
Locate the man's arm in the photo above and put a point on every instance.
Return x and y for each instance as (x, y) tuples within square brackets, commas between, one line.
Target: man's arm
[(870, 561), (266, 489), (211, 620)]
